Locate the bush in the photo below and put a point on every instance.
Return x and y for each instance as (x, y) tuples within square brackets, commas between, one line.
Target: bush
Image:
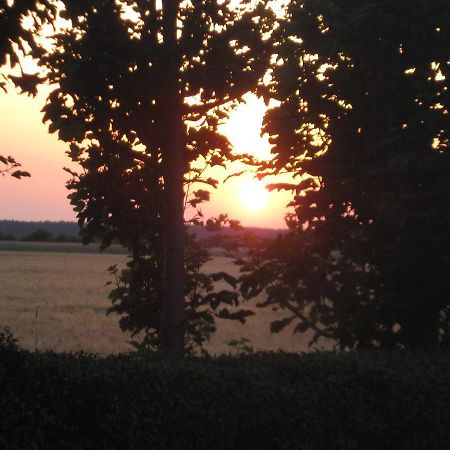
[(63, 238), (7, 340), (274, 401), (39, 235), (6, 237)]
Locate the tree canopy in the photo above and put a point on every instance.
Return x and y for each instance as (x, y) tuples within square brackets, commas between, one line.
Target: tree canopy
[(139, 89), (364, 122)]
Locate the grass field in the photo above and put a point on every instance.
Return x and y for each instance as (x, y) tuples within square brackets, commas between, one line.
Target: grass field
[(53, 297)]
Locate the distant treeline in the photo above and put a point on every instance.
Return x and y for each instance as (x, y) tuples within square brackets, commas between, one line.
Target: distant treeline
[(39, 231), (268, 233), (41, 235), (47, 231)]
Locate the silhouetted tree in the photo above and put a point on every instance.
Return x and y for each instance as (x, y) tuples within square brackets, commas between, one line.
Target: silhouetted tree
[(139, 98), (364, 121)]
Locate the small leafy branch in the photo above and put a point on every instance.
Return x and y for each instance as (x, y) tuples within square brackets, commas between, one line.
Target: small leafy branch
[(137, 293), (241, 346), (10, 165)]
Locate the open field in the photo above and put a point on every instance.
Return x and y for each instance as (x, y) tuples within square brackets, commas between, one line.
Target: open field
[(56, 300)]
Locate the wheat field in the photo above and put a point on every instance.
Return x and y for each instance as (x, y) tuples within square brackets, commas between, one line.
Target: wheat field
[(58, 301)]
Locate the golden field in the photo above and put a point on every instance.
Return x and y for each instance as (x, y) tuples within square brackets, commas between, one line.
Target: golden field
[(56, 300)]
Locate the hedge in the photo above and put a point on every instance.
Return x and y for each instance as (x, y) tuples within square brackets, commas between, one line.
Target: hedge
[(374, 400)]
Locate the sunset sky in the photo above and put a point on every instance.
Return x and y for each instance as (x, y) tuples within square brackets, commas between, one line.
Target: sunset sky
[(43, 196)]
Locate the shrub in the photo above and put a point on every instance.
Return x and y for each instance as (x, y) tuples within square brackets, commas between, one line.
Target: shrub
[(39, 235), (275, 401), (7, 340)]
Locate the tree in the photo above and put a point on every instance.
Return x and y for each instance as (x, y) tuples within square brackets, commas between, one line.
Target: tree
[(140, 90), (363, 122), (39, 235)]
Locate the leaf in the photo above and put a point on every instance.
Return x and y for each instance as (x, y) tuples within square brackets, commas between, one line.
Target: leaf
[(75, 152), (212, 182), (223, 296), (279, 325), (213, 225), (281, 186), (71, 172), (232, 281), (306, 184), (251, 285), (301, 327), (20, 173), (27, 82), (200, 196), (240, 315)]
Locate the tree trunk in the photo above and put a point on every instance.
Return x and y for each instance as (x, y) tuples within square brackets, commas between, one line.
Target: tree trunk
[(172, 329)]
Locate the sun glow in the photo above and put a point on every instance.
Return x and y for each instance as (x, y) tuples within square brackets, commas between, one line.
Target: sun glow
[(253, 194), (243, 128), (244, 197)]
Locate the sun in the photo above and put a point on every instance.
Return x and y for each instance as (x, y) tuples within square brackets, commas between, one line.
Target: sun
[(240, 194), (253, 194), (243, 128)]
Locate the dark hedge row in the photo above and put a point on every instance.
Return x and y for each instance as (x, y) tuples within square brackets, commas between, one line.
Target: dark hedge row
[(273, 401)]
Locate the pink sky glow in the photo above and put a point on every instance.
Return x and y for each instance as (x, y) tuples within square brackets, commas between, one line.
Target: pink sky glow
[(44, 195)]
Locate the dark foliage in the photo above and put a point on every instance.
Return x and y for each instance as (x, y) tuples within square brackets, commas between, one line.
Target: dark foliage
[(364, 120), (136, 296), (139, 102), (7, 340), (6, 237), (19, 229), (39, 235), (8, 165), (43, 235), (263, 401)]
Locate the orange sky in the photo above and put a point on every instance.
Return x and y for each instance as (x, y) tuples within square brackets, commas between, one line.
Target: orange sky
[(43, 196)]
